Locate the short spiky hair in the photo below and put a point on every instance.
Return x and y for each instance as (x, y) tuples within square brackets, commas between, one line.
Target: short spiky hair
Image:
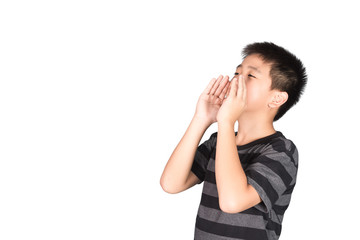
[(287, 71)]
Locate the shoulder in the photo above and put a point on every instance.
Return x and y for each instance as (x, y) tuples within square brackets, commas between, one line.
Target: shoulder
[(282, 148), (209, 144), (212, 140), (214, 135), (278, 159), (281, 143)]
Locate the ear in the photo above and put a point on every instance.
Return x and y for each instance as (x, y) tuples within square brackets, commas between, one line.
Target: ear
[(278, 99)]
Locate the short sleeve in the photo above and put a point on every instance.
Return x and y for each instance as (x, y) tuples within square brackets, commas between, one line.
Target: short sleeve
[(202, 157), (272, 175)]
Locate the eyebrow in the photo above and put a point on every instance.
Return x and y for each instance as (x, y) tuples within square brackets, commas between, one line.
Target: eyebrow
[(251, 67)]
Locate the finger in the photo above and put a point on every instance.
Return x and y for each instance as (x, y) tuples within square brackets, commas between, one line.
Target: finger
[(216, 85), (228, 89), (222, 85), (225, 90), (209, 86)]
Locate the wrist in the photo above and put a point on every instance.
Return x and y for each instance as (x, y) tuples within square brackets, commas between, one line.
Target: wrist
[(201, 122), (226, 123), (202, 118)]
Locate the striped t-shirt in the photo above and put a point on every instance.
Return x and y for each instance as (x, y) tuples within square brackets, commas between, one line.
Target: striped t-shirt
[(270, 165)]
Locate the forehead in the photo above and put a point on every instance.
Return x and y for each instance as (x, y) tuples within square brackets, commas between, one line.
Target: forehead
[(255, 62)]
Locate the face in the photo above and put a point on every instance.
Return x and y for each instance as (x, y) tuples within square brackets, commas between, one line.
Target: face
[(256, 74)]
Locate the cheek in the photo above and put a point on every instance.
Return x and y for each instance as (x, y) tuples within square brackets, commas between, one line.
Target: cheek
[(252, 92), (256, 95)]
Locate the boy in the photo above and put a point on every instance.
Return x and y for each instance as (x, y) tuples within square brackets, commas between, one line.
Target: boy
[(248, 175)]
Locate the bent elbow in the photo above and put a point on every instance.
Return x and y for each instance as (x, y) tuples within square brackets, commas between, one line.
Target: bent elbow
[(167, 188), (228, 209), (231, 207)]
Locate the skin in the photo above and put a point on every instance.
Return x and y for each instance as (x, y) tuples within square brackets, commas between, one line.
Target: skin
[(253, 104), (247, 99)]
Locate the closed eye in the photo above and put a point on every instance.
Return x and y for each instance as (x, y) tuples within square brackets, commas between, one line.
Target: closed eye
[(251, 76)]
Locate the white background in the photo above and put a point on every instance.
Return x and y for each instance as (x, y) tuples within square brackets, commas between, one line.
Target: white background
[(95, 96)]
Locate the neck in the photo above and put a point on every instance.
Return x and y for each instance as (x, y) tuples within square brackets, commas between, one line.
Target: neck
[(251, 128)]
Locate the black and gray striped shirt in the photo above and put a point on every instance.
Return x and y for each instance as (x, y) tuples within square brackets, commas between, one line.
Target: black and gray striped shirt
[(270, 164)]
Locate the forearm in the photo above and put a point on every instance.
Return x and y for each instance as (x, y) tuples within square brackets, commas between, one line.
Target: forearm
[(179, 164), (230, 177)]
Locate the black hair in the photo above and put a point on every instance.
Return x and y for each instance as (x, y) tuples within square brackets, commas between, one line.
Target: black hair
[(287, 71)]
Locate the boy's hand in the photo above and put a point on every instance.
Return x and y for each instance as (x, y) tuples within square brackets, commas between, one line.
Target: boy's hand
[(235, 103), (211, 99)]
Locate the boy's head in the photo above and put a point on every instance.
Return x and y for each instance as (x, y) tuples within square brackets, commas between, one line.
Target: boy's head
[(273, 75)]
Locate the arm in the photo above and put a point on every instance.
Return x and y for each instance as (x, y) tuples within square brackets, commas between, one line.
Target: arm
[(235, 194), (177, 175)]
